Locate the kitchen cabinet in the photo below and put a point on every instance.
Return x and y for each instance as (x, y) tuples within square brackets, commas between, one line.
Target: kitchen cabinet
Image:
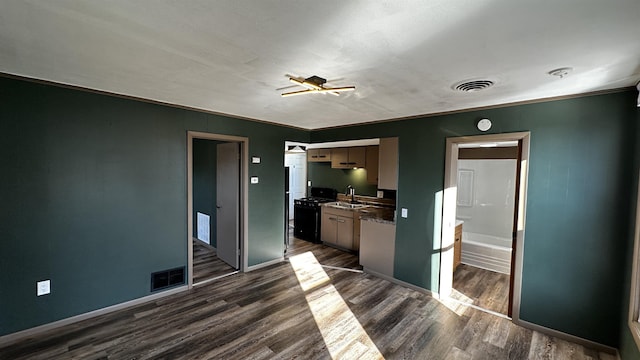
[(319, 155), (388, 164), (457, 247), (377, 246), (338, 228), (348, 158), (371, 164)]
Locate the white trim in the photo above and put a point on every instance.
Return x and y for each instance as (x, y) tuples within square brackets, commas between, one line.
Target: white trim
[(21, 335), (449, 210), (244, 195), (265, 264), (568, 337), (634, 291)]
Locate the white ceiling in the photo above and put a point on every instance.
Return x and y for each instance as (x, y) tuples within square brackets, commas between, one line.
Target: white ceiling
[(402, 56)]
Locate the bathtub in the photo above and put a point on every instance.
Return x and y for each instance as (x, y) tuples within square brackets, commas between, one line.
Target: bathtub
[(487, 252)]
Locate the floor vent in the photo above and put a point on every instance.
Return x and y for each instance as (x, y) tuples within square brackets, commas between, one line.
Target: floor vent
[(167, 278)]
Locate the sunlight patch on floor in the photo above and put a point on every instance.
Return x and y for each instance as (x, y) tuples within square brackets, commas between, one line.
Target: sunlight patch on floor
[(342, 333), (457, 302)]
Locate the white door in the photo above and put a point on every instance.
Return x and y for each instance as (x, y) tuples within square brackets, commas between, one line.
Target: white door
[(227, 206)]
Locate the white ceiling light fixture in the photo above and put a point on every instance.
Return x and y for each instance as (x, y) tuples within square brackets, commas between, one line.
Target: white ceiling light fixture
[(315, 85), (296, 149)]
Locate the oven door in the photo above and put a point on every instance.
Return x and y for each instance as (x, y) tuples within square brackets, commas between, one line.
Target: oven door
[(306, 222)]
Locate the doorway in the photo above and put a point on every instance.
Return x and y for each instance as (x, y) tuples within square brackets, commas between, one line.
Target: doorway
[(217, 206), (461, 183)]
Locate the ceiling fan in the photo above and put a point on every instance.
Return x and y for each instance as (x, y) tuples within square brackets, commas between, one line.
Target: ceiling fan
[(314, 85)]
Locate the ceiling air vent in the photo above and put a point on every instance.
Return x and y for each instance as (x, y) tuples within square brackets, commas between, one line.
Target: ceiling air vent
[(473, 85)]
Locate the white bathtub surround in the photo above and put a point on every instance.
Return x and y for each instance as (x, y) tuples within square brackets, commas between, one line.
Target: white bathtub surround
[(487, 188), (486, 252)]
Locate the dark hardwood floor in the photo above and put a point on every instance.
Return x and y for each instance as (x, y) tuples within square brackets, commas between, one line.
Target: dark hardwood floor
[(297, 309), (206, 264), (486, 289)]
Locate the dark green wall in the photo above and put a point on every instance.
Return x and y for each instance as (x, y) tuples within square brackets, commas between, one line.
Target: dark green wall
[(577, 211), (322, 175), (93, 192), (204, 184), (628, 348)]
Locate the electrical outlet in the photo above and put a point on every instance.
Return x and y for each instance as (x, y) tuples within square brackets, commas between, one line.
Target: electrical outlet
[(405, 213), (254, 180), (43, 287)]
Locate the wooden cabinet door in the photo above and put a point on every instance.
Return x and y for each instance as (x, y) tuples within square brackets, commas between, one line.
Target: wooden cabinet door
[(357, 157), (388, 164), (329, 228), (340, 158), (371, 164), (318, 155), (457, 247), (345, 232)]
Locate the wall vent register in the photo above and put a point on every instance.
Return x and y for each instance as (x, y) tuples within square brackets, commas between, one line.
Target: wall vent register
[(167, 278)]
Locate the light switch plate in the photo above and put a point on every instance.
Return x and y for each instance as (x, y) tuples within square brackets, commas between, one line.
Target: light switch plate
[(255, 160), (254, 180), (405, 213), (309, 183), (43, 287), (380, 194)]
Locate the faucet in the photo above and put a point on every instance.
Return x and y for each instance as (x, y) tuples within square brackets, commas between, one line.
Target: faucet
[(351, 191)]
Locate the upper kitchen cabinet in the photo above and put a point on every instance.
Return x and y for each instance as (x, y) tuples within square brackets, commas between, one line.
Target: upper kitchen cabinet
[(348, 158), (372, 164), (388, 164), (319, 155)]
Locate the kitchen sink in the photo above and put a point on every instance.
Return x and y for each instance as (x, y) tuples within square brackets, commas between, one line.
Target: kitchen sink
[(348, 205)]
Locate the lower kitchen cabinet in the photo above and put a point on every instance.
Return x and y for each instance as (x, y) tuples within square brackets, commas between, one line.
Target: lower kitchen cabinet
[(337, 228)]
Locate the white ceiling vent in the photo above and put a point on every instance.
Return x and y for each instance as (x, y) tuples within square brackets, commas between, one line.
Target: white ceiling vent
[(473, 85)]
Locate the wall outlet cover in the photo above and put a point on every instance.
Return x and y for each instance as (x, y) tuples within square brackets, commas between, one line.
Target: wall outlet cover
[(255, 160), (380, 194), (405, 213), (254, 180), (43, 287)]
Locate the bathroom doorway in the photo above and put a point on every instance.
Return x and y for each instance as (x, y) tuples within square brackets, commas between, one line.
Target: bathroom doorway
[(483, 221)]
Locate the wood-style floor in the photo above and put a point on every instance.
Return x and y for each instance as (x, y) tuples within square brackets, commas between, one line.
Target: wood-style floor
[(486, 289), (297, 310), (206, 264)]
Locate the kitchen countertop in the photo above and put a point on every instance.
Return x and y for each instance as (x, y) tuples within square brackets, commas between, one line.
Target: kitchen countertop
[(381, 214)]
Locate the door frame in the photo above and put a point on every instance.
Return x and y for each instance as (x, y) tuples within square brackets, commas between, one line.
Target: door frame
[(244, 200), (449, 211)]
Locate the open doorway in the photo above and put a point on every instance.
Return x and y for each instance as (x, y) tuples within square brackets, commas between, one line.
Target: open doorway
[(483, 221), (217, 206)]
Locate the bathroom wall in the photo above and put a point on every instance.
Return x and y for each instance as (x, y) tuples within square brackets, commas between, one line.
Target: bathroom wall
[(489, 210)]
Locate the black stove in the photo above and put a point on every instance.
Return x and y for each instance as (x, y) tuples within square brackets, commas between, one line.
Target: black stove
[(306, 213)]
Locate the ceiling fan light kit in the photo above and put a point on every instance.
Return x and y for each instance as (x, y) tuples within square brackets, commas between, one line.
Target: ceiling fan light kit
[(315, 85)]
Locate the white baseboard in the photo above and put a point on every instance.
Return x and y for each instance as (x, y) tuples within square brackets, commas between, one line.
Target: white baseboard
[(17, 336), (265, 264)]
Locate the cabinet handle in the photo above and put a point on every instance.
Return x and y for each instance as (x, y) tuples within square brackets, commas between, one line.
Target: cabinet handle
[(343, 163), (334, 219), (340, 221)]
